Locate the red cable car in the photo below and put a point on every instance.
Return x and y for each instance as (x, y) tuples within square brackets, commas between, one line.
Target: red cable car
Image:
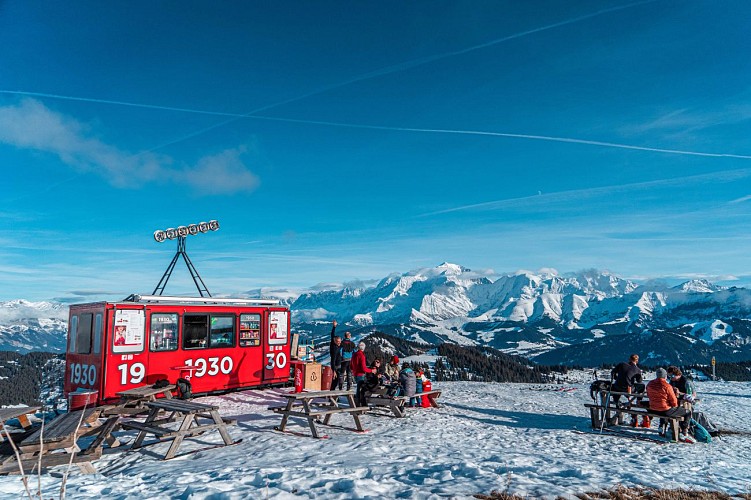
[(219, 344)]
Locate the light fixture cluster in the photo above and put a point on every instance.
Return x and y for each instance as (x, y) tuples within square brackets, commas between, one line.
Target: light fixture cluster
[(183, 231)]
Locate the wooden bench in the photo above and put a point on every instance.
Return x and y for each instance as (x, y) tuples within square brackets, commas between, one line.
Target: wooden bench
[(601, 416), (189, 426), (304, 405), (57, 443), (397, 404)]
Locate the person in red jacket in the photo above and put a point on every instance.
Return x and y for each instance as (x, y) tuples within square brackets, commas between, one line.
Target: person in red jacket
[(662, 401), (359, 369)]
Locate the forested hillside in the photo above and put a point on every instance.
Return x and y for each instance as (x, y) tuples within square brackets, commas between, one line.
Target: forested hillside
[(455, 362), (22, 375)]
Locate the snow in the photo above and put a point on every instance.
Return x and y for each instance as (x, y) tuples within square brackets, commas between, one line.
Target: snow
[(514, 437)]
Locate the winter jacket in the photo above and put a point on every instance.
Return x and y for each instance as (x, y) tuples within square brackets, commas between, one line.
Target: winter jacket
[(408, 381), (392, 372), (348, 349), (684, 386), (359, 364), (625, 375), (335, 351), (661, 395)]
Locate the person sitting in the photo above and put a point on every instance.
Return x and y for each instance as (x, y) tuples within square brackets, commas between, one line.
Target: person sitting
[(407, 381), (392, 369), (373, 379), (683, 387), (662, 400)]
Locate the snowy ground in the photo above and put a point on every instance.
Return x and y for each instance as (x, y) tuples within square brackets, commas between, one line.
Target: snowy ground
[(514, 437)]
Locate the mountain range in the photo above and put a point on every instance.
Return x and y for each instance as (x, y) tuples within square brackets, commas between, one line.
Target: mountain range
[(585, 318)]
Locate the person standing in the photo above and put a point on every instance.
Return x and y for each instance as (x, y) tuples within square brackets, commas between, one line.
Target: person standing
[(359, 369), (335, 351), (625, 378), (348, 349)]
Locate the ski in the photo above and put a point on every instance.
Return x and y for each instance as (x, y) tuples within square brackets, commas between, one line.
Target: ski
[(300, 434)]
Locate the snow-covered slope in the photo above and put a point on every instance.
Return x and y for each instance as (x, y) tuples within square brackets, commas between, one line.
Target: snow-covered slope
[(516, 438)]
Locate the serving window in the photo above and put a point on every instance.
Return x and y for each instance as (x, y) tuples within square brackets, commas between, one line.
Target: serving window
[(163, 332), (250, 330), (201, 331)]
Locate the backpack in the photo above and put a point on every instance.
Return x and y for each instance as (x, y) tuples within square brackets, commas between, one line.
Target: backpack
[(597, 386), (700, 433), (184, 389), (702, 420)]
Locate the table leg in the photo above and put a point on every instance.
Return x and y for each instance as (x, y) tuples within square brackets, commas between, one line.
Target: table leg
[(184, 426), (432, 401), (334, 404), (397, 407), (285, 414), (311, 423), (142, 434), (221, 426)]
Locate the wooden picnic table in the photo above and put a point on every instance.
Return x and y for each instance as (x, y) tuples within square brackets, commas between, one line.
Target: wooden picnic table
[(397, 403), (57, 443), (313, 409), (133, 401), (21, 413), (605, 413), (189, 426)]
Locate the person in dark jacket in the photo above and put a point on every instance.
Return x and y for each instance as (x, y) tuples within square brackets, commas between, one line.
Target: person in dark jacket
[(335, 351), (348, 349), (627, 377)]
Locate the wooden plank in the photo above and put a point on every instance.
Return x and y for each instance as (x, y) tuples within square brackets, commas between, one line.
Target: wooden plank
[(145, 391), (180, 405), (317, 394), (48, 460), (151, 429), (10, 413)]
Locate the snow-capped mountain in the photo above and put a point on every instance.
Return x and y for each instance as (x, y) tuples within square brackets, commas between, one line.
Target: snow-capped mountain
[(33, 326), (543, 314), (583, 318)]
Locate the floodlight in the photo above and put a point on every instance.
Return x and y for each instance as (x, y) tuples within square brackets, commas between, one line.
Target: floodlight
[(183, 231)]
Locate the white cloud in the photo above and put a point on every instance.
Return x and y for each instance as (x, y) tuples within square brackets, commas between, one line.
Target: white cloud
[(31, 125)]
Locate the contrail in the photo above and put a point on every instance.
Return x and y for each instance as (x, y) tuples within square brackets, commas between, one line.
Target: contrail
[(366, 76), (724, 175), (505, 134), (385, 127)]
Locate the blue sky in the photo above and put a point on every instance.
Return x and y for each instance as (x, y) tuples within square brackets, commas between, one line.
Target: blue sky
[(340, 141)]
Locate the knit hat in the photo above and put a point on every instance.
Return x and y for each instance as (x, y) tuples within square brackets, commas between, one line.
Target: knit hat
[(661, 373), (361, 346), (395, 360)]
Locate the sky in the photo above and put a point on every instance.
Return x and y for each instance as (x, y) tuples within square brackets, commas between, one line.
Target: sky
[(340, 141)]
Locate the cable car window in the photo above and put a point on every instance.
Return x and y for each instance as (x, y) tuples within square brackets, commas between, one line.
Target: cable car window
[(222, 331), (250, 330), (83, 334), (72, 332), (98, 333), (195, 331), (163, 332)]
